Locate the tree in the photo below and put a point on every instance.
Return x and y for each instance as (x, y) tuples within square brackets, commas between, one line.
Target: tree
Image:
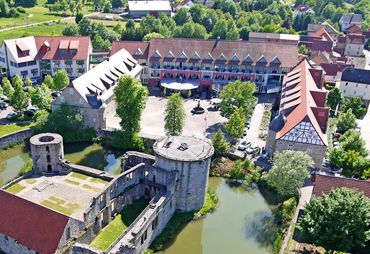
[(346, 121), (41, 97), (219, 143), (238, 95), (71, 30), (240, 169), (107, 6), (19, 99), (79, 17), (4, 8), (7, 87), (61, 80), (117, 3), (338, 221), (131, 97), (150, 36), (351, 140), (49, 82), (99, 43), (335, 98), (182, 16), (16, 80), (356, 104), (174, 115), (26, 3), (303, 50), (28, 81), (289, 170), (235, 125)]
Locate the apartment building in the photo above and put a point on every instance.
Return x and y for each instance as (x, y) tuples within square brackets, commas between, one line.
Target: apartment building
[(211, 64), (37, 56)]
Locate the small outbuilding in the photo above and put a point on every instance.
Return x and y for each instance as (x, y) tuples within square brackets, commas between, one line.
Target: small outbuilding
[(138, 9)]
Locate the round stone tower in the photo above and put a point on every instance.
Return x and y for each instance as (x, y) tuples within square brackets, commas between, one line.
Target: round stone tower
[(191, 157), (47, 151)]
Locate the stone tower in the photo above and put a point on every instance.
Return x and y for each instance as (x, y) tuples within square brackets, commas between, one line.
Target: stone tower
[(47, 151), (191, 158), (275, 126)]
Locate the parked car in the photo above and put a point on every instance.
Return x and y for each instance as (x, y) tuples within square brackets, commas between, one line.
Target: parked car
[(3, 105), (326, 162), (31, 111), (249, 150), (55, 95), (4, 98), (336, 144), (245, 130), (264, 154), (357, 128), (11, 115), (336, 170), (243, 145)]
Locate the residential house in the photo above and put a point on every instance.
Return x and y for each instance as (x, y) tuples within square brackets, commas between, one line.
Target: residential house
[(350, 19), (333, 71), (211, 64), (319, 41), (351, 44), (37, 56), (313, 28), (302, 119), (138, 9), (93, 92), (182, 4), (302, 9), (356, 83)]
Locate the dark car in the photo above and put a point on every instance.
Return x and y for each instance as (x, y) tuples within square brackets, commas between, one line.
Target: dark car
[(55, 95), (3, 105), (31, 112)]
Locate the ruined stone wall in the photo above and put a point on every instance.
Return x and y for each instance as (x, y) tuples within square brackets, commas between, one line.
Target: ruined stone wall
[(15, 137), (10, 245), (131, 159)]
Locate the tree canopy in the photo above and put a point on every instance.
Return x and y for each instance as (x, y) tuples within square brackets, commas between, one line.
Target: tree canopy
[(335, 98), (346, 121), (19, 99), (236, 123), (219, 143), (288, 172), (338, 221), (174, 119), (357, 106), (61, 80)]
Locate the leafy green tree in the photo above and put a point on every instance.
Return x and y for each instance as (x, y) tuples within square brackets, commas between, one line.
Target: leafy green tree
[(71, 30), (16, 80), (219, 143), (235, 125), (220, 29), (28, 82), (41, 97), (238, 95), (174, 115), (335, 98), (346, 121), (356, 104), (7, 87), (19, 99), (4, 8), (107, 6), (130, 96), (240, 169), (289, 170), (49, 82), (182, 16), (303, 50), (78, 18), (351, 140), (338, 221), (117, 3), (150, 36), (99, 43), (61, 80)]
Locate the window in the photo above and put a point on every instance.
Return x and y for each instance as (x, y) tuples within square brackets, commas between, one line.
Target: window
[(80, 62), (71, 91), (73, 51), (24, 73), (2, 59), (68, 62), (22, 65), (68, 233), (144, 236), (81, 70), (13, 64), (35, 72), (56, 62), (31, 63), (48, 158), (290, 147), (61, 99)]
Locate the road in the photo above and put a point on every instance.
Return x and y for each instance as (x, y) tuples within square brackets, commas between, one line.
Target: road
[(44, 22)]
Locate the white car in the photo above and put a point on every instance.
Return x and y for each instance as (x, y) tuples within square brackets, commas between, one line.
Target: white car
[(249, 150), (243, 145)]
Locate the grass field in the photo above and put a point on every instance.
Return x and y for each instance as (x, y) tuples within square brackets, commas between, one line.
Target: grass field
[(10, 128), (79, 176), (88, 187), (71, 182), (37, 14), (15, 188), (118, 225), (60, 205), (98, 180)]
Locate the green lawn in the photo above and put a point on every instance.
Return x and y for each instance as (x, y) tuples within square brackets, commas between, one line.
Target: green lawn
[(10, 128), (60, 205), (79, 176), (15, 188), (118, 225), (37, 14), (71, 182), (98, 180), (88, 187)]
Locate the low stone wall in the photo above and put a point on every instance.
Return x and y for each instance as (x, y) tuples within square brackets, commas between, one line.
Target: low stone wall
[(15, 137)]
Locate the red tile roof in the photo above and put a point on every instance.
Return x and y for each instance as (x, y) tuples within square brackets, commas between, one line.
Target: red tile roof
[(332, 69), (32, 225), (303, 101), (81, 43), (132, 47), (323, 34), (324, 184), (354, 29), (355, 39)]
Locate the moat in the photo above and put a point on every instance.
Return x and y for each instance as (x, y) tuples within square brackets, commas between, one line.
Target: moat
[(242, 222)]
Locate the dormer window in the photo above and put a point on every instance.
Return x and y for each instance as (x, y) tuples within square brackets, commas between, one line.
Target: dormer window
[(170, 55), (156, 54), (22, 49), (195, 56), (183, 55), (209, 56), (138, 52), (262, 60), (248, 59), (235, 58), (276, 60), (221, 57)]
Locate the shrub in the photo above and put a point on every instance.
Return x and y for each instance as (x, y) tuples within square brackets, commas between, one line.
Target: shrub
[(21, 9), (128, 141)]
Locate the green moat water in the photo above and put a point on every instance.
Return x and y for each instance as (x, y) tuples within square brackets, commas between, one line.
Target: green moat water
[(241, 224)]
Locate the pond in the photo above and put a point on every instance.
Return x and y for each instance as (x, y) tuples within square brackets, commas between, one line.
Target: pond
[(242, 223), (94, 155)]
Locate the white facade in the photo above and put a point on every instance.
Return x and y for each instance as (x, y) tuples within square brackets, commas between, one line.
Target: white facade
[(352, 89), (353, 49)]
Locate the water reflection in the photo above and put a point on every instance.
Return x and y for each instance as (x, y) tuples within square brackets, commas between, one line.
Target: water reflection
[(241, 224)]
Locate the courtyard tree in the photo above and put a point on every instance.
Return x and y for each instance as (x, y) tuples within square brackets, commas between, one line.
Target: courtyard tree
[(19, 99), (352, 140), (338, 221), (235, 125), (61, 80), (335, 98), (289, 170), (7, 87), (219, 143), (346, 121), (41, 97), (356, 104), (131, 97), (16, 80), (49, 82), (28, 82), (240, 169), (238, 95), (174, 119)]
